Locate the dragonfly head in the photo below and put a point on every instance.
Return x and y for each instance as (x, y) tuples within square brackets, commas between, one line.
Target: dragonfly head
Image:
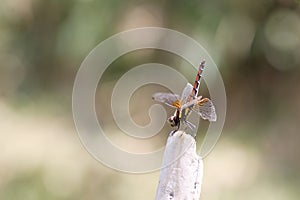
[(172, 121)]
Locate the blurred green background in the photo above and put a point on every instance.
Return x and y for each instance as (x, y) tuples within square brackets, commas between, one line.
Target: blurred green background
[(256, 45)]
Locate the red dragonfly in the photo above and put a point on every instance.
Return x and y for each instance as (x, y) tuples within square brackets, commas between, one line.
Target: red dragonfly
[(189, 101)]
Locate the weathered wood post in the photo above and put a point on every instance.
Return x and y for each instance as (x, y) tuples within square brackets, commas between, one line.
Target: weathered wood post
[(182, 172)]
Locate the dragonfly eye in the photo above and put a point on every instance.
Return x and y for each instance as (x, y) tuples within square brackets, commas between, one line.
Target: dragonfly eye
[(171, 120)]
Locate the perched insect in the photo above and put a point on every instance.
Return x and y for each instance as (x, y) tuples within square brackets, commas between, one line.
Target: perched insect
[(189, 101)]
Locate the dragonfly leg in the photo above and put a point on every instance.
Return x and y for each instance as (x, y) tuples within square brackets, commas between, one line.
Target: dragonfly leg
[(178, 125), (172, 132)]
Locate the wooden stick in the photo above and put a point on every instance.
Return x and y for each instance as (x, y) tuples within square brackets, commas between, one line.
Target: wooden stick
[(182, 172)]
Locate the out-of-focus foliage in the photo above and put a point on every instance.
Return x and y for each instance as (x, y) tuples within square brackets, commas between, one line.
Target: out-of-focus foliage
[(256, 45)]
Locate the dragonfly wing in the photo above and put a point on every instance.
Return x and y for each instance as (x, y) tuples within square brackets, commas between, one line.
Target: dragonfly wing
[(190, 125), (186, 93), (166, 98), (207, 111), (191, 103)]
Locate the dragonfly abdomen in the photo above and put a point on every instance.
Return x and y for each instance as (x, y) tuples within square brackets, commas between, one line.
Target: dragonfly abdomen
[(197, 80)]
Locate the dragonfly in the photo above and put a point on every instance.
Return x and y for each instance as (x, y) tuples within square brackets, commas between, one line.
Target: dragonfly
[(188, 102)]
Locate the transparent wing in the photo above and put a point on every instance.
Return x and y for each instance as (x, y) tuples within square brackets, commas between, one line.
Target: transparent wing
[(191, 103), (166, 98), (186, 93), (207, 110), (190, 125)]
